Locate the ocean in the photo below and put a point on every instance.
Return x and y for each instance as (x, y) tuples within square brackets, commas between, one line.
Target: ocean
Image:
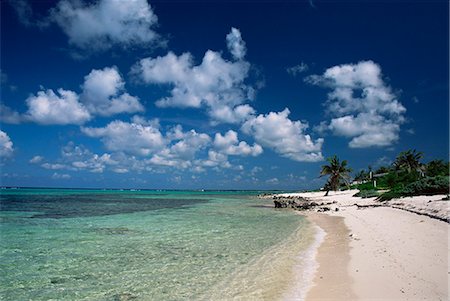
[(63, 244)]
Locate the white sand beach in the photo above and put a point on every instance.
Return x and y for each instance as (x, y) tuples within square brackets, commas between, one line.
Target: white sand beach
[(381, 252)]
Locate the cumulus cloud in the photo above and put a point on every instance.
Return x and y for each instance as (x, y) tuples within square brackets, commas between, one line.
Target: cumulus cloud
[(216, 84), (54, 166), (36, 159), (366, 129), (103, 93), (63, 107), (229, 144), (8, 115), (186, 149), (131, 138), (236, 44), (6, 145), (215, 159), (105, 23), (273, 181), (181, 148), (79, 158), (363, 107), (175, 148), (284, 136), (297, 69), (181, 155)]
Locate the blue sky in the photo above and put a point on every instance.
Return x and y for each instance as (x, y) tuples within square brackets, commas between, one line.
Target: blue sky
[(252, 95)]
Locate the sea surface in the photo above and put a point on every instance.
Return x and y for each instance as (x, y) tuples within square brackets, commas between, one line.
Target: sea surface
[(62, 244)]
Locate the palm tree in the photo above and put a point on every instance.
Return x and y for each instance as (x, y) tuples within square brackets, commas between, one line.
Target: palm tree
[(409, 161), (437, 168), (362, 175), (337, 171)]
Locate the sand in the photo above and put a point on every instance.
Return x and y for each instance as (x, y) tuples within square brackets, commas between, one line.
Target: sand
[(381, 253), (333, 257)]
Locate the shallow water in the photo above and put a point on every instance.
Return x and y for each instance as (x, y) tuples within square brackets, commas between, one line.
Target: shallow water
[(146, 245)]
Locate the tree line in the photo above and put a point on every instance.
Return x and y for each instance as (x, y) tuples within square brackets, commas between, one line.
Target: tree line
[(406, 176)]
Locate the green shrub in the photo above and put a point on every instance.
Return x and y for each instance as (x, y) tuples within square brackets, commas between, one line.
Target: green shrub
[(423, 186), (367, 194), (428, 186), (437, 168), (400, 179), (365, 186), (389, 195)]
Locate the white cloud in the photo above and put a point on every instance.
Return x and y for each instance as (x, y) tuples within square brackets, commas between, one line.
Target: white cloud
[(216, 84), (36, 159), (255, 170), (54, 166), (226, 114), (367, 129), (103, 93), (215, 159), (51, 108), (182, 150), (176, 148), (297, 69), (58, 176), (131, 138), (8, 115), (186, 149), (284, 136), (189, 143), (120, 170), (235, 44), (229, 144), (78, 158), (6, 145), (363, 107), (273, 181), (105, 23)]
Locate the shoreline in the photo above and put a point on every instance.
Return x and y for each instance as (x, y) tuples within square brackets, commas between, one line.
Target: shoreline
[(332, 257), (380, 252)]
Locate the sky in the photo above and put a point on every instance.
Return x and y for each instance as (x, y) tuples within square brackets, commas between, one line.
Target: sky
[(217, 95)]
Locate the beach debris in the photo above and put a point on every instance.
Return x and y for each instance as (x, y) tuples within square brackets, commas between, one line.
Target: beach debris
[(353, 236), (323, 209), (301, 203), (422, 205), (359, 206)]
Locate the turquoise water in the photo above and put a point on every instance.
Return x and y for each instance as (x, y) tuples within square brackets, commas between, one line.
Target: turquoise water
[(145, 245)]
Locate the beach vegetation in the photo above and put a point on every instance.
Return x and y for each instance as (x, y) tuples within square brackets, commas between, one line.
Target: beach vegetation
[(338, 172), (362, 176), (407, 176), (367, 193), (383, 169), (365, 186), (389, 195), (437, 168), (409, 161), (428, 186), (423, 186)]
